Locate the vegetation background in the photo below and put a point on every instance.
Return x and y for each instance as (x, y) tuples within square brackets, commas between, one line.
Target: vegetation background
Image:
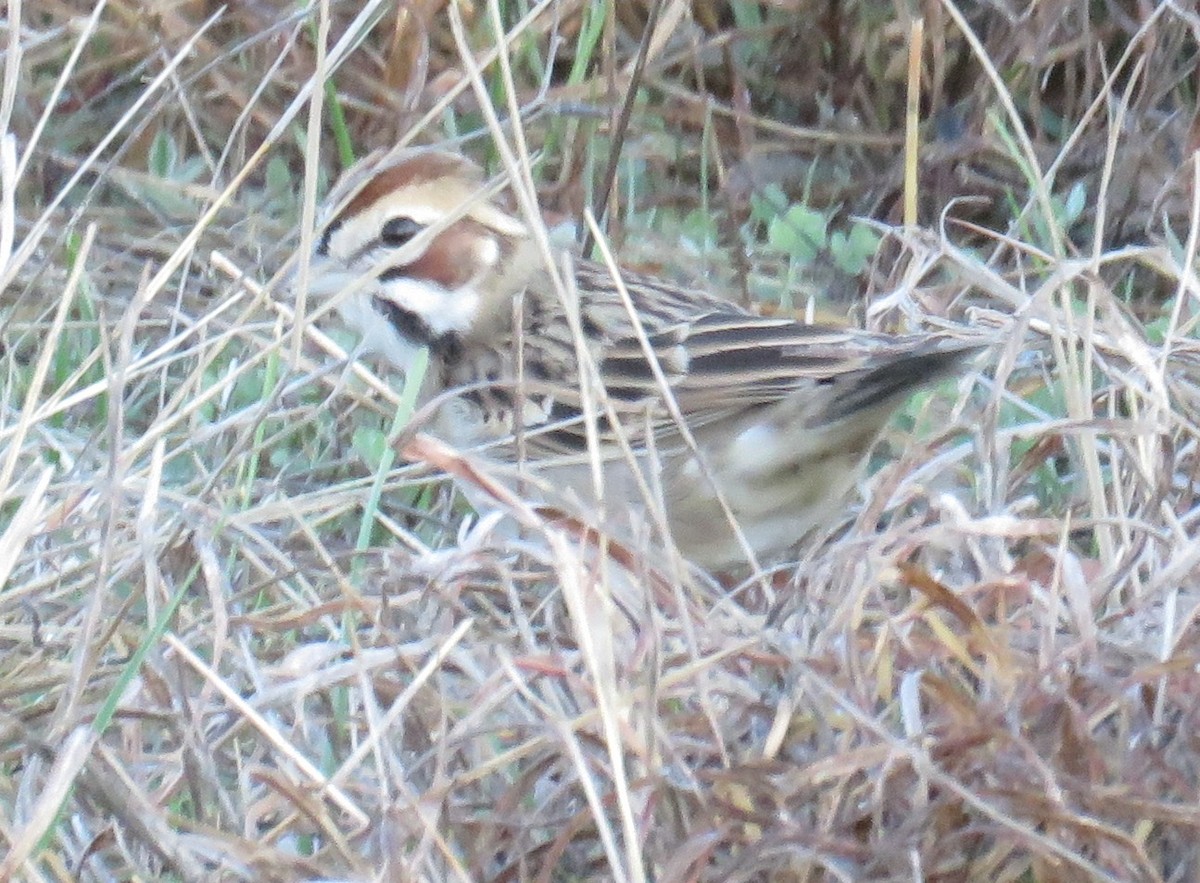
[(244, 640)]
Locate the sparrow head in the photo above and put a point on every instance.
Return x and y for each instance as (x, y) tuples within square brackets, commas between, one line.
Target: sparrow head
[(415, 253)]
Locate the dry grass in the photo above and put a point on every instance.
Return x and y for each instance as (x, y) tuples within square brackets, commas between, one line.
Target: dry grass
[(244, 639)]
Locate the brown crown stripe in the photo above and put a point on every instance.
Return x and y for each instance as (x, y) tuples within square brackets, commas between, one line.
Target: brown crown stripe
[(429, 166)]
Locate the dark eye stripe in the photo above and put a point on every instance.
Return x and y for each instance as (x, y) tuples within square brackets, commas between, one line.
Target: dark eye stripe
[(408, 324), (413, 328), (399, 231), (326, 235)]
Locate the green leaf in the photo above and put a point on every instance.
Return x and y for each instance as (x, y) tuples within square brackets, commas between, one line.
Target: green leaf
[(768, 203), (852, 251), (839, 247), (371, 444), (1156, 331), (799, 233), (1076, 202), (164, 154), (279, 176), (746, 15), (863, 239), (701, 228)]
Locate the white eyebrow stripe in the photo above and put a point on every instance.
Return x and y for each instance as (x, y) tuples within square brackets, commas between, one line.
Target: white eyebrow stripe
[(500, 221), (425, 215)]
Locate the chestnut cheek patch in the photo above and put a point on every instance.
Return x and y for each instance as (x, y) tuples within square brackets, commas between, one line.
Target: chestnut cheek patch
[(456, 257)]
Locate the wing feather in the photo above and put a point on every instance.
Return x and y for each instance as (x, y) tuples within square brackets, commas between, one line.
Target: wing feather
[(721, 364)]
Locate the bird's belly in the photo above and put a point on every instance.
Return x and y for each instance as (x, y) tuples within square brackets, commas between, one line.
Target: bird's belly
[(773, 511), (773, 508), (776, 493)]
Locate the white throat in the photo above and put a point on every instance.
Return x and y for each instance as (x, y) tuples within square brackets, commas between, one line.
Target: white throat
[(443, 311), (376, 334)]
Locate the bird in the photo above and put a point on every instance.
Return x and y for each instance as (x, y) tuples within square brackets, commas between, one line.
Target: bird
[(745, 431)]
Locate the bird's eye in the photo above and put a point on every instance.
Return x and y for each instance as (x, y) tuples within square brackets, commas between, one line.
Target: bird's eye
[(399, 231)]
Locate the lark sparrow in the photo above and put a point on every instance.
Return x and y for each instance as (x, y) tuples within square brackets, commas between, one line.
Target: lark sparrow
[(778, 414)]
